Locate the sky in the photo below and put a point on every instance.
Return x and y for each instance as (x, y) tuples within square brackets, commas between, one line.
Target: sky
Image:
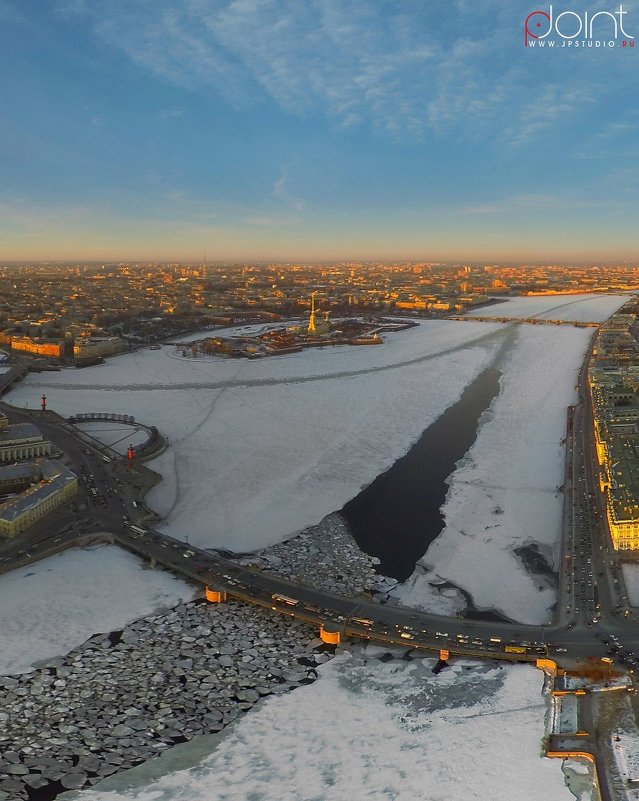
[(316, 130)]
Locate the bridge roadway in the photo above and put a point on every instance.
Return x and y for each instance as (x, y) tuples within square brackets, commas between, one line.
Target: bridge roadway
[(426, 630), (15, 373), (530, 320)]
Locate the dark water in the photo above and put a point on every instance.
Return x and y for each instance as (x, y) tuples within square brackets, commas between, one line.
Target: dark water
[(534, 561), (397, 516)]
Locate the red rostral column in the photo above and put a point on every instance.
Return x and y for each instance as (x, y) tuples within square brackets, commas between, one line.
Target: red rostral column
[(43, 404), (130, 453)]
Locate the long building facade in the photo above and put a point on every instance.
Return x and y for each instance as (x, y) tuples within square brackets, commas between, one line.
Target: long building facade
[(614, 391)]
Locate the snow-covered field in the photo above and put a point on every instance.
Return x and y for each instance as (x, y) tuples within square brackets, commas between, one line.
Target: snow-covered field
[(582, 308), (259, 450), (52, 606), (372, 730), (504, 493)]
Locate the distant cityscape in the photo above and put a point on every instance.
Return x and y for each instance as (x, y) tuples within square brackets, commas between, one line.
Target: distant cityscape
[(83, 312)]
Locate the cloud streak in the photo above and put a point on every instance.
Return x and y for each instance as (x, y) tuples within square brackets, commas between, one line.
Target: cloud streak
[(405, 70)]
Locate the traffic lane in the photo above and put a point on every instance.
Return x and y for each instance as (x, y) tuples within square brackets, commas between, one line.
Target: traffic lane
[(266, 586), (317, 608), (386, 627), (278, 584), (213, 568), (590, 559), (386, 616), (387, 621)]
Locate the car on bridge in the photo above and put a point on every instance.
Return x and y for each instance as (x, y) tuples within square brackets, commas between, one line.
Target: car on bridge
[(363, 621)]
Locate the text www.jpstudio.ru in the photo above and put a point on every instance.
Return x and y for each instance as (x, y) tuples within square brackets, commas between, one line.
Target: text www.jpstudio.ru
[(572, 43)]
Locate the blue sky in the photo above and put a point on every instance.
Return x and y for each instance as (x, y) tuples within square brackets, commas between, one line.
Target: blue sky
[(312, 129)]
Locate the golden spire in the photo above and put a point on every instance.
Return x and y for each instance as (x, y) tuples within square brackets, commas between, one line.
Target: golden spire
[(311, 319)]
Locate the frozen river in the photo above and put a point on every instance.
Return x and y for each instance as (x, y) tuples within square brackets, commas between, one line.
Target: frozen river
[(260, 450)]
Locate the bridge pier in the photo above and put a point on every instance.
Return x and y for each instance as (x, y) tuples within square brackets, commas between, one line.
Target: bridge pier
[(330, 634), (215, 596), (548, 666)]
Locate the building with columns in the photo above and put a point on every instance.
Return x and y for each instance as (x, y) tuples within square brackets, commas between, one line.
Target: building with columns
[(21, 441), (49, 485)]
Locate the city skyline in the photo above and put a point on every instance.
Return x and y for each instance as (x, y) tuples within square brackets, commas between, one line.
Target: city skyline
[(322, 131)]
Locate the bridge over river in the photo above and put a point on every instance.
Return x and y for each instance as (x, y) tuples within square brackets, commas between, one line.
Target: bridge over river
[(520, 320), (13, 374)]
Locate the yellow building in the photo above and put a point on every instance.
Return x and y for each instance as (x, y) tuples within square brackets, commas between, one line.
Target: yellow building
[(51, 485), (623, 522), (40, 347), (615, 408), (97, 347), (411, 304)]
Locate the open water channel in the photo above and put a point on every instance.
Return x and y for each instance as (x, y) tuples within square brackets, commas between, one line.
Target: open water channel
[(397, 516)]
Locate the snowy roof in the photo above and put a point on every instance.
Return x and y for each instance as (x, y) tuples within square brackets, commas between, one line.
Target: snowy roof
[(56, 476), (18, 433), (15, 471)]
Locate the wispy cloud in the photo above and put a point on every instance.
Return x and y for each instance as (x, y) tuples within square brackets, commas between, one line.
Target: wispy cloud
[(516, 204), (283, 193), (19, 215), (166, 114), (357, 62), (551, 106), (283, 208), (403, 69)]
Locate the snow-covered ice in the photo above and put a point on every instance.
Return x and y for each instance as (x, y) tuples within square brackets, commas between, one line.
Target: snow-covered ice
[(424, 590), (568, 714), (626, 750), (259, 450), (374, 730), (54, 605), (504, 492), (582, 308), (117, 436)]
